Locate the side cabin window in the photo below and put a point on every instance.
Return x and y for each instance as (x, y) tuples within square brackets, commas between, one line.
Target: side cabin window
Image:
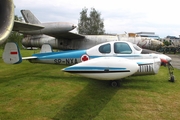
[(105, 48), (122, 48)]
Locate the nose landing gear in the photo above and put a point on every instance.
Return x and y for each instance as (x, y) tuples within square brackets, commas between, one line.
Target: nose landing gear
[(170, 69)]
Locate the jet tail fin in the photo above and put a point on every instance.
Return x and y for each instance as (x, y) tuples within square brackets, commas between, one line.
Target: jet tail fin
[(11, 54), (29, 17)]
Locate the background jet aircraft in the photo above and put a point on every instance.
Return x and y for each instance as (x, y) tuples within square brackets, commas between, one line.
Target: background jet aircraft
[(56, 34), (63, 39)]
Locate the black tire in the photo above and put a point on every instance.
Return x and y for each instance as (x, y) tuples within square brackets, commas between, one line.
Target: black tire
[(172, 78), (114, 83)]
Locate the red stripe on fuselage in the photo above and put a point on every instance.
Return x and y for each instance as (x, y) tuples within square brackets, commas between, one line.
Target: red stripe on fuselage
[(14, 53)]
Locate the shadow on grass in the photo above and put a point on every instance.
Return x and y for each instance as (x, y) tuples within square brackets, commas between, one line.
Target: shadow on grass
[(17, 76), (135, 83), (151, 82), (88, 103)]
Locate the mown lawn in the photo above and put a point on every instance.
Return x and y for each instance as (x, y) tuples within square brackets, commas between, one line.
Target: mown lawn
[(43, 92)]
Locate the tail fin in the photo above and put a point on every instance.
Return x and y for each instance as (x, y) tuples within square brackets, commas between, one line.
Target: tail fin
[(29, 17), (11, 54), (46, 48)]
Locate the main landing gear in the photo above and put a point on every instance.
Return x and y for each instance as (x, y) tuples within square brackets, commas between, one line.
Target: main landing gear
[(170, 69), (115, 83)]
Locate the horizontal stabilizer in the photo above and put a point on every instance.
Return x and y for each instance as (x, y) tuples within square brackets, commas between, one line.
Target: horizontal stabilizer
[(20, 26), (11, 54), (29, 58)]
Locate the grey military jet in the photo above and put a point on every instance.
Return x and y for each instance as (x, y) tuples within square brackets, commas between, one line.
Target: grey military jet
[(59, 36)]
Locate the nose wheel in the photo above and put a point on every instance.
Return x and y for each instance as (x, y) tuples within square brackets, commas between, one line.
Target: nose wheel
[(170, 69), (172, 79)]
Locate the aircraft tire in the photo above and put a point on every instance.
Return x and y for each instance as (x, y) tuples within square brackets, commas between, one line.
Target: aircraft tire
[(114, 83), (172, 78)]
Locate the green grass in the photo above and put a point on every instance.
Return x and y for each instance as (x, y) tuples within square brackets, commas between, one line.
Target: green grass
[(43, 92)]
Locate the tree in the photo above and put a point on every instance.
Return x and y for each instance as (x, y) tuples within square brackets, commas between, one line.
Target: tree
[(92, 25), (18, 18), (167, 43)]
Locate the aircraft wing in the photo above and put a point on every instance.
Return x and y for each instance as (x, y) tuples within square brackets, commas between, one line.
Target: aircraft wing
[(67, 35), (20, 26)]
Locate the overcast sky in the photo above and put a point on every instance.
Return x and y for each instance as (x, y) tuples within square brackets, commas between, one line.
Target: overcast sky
[(159, 16)]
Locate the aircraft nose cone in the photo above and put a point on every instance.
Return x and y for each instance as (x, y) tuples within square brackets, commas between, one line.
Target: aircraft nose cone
[(168, 58), (162, 44), (164, 58)]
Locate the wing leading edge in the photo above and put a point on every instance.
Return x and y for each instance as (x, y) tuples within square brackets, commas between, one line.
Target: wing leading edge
[(68, 35)]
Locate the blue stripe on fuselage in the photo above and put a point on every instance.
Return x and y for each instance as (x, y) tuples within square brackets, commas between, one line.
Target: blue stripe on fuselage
[(75, 54), (78, 54), (62, 54), (94, 69), (124, 56)]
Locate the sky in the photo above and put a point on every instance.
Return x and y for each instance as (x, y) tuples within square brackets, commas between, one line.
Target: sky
[(120, 16)]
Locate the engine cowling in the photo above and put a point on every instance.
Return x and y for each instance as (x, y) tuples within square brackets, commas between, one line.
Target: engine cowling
[(104, 68), (6, 19)]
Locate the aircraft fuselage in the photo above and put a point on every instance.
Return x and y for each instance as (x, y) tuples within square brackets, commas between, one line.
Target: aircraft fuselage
[(148, 63), (87, 42)]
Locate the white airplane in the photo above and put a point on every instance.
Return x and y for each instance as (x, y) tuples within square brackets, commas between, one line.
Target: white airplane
[(107, 61)]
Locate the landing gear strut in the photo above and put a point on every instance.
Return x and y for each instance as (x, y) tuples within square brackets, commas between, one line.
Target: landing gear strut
[(115, 83), (170, 69)]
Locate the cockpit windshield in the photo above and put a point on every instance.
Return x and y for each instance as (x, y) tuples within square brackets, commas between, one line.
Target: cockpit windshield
[(122, 48)]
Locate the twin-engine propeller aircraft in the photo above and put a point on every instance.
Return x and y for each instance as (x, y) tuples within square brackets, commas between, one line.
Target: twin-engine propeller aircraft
[(107, 61)]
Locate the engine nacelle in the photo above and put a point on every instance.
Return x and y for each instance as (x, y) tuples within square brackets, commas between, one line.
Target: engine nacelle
[(6, 19), (104, 68), (39, 40)]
